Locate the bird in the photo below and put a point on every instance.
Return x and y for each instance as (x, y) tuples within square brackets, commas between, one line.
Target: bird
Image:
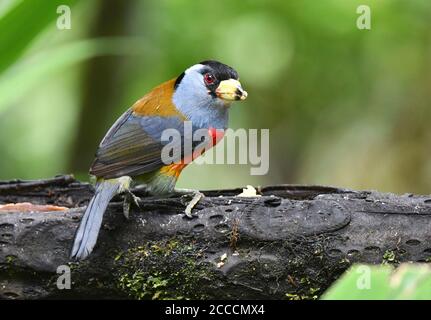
[(131, 151)]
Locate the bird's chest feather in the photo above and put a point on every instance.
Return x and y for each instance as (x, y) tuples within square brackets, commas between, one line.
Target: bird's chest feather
[(215, 135), (172, 171), (164, 180), (211, 121)]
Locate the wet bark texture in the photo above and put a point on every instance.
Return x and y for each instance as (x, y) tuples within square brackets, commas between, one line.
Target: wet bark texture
[(292, 242)]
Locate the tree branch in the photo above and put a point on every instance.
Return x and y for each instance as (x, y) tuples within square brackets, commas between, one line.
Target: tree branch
[(292, 242)]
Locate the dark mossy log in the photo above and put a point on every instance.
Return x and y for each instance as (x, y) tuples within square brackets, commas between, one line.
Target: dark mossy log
[(291, 242)]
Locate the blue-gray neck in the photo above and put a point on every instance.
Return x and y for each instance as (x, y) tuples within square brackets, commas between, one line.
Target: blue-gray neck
[(203, 110)]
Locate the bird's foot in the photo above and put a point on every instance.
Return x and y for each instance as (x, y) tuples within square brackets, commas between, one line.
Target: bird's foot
[(195, 196), (129, 199)]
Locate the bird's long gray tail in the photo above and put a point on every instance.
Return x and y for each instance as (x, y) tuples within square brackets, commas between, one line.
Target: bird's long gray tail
[(86, 235)]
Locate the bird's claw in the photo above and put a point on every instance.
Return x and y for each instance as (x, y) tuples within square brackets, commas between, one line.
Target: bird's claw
[(197, 196), (129, 198)]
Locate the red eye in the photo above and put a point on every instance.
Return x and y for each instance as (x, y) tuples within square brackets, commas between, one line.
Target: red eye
[(209, 78)]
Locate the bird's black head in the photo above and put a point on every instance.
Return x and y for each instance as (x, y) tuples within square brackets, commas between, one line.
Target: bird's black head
[(220, 70)]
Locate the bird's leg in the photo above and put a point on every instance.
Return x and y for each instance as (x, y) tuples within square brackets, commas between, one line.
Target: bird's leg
[(129, 198), (195, 195)]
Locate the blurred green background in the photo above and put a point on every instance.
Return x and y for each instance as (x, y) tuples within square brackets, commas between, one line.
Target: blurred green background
[(345, 107)]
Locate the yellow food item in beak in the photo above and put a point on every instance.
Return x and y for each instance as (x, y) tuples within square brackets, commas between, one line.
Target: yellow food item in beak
[(231, 90)]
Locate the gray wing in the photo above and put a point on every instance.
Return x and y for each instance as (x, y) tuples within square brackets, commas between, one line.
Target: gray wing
[(133, 146)]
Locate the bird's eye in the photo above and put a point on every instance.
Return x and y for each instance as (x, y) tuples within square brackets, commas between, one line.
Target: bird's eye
[(209, 78)]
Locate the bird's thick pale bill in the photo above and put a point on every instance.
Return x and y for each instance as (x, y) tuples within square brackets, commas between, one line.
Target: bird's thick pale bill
[(231, 90)]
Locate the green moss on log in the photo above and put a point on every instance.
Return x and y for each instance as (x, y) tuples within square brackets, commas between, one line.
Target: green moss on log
[(172, 269)]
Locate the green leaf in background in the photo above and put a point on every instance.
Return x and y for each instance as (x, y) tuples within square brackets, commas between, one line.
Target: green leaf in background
[(26, 73), (22, 23), (362, 282)]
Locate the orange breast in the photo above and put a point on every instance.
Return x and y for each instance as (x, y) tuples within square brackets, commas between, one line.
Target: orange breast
[(173, 170)]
